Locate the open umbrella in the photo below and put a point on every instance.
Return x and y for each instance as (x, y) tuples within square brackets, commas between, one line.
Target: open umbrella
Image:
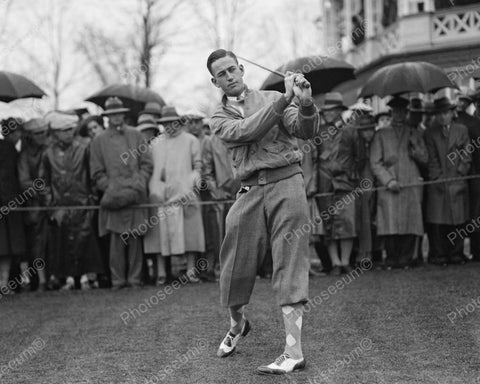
[(406, 77), (133, 97), (13, 87), (323, 73)]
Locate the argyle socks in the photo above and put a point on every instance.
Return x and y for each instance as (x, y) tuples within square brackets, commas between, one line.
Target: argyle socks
[(292, 317)]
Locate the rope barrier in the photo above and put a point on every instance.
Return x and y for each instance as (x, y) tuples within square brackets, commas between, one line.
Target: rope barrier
[(219, 202)]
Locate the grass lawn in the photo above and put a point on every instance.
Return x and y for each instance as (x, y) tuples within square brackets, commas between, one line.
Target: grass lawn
[(382, 327)]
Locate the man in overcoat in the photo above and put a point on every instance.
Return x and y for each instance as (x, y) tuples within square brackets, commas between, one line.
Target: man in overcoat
[(12, 235), (34, 143), (121, 167), (473, 125), (447, 203), (397, 152), (73, 250)]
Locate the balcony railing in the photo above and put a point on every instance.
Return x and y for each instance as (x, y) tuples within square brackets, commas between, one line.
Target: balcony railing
[(457, 25), (422, 31)]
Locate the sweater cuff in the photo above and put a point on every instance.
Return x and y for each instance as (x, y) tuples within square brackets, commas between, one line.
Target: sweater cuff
[(280, 105), (307, 108)]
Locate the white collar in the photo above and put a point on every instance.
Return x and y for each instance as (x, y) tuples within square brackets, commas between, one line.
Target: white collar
[(237, 99)]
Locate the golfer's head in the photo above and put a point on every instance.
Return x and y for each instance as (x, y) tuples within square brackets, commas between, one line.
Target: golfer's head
[(227, 74)]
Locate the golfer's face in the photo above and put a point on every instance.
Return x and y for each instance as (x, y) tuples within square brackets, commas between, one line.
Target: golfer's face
[(228, 76)]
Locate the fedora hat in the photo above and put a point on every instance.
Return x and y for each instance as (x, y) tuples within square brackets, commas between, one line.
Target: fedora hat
[(443, 104), (169, 114), (146, 122), (114, 105), (151, 108), (416, 105), (398, 102), (333, 100), (364, 122), (429, 108)]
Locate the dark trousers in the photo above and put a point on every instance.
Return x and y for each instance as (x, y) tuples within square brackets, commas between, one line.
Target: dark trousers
[(125, 260), (475, 246), (445, 248), (400, 250)]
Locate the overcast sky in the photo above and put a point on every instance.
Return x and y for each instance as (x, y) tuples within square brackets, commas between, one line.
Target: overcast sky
[(268, 31)]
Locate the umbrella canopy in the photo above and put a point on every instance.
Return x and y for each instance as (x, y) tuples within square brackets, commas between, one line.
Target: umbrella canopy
[(132, 96), (323, 73), (13, 87), (406, 77)]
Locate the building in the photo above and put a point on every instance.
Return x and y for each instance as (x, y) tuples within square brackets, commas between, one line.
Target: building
[(370, 34)]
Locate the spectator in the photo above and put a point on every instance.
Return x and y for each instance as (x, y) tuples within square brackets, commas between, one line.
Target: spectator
[(194, 125), (175, 180), (319, 259), (338, 175), (447, 203), (473, 125), (64, 169), (368, 247), (396, 153), (34, 144), (148, 128), (12, 236), (91, 127), (222, 185), (121, 169), (383, 119)]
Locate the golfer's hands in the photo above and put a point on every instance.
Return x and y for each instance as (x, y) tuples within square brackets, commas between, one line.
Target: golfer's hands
[(297, 85), (393, 186)]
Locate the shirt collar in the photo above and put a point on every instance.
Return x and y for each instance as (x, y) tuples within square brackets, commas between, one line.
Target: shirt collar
[(236, 99)]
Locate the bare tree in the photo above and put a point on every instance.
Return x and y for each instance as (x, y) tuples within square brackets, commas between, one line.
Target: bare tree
[(105, 55), (132, 58), (221, 20), (47, 51)]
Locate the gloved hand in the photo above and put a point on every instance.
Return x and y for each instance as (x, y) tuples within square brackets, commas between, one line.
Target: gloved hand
[(393, 186)]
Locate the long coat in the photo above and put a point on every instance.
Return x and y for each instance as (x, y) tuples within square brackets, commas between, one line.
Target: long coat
[(178, 163), (368, 199), (121, 155), (72, 248), (36, 221), (473, 125), (397, 151), (447, 203), (12, 235), (338, 173)]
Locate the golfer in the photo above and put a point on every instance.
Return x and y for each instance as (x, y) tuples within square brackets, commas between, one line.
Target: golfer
[(260, 130)]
